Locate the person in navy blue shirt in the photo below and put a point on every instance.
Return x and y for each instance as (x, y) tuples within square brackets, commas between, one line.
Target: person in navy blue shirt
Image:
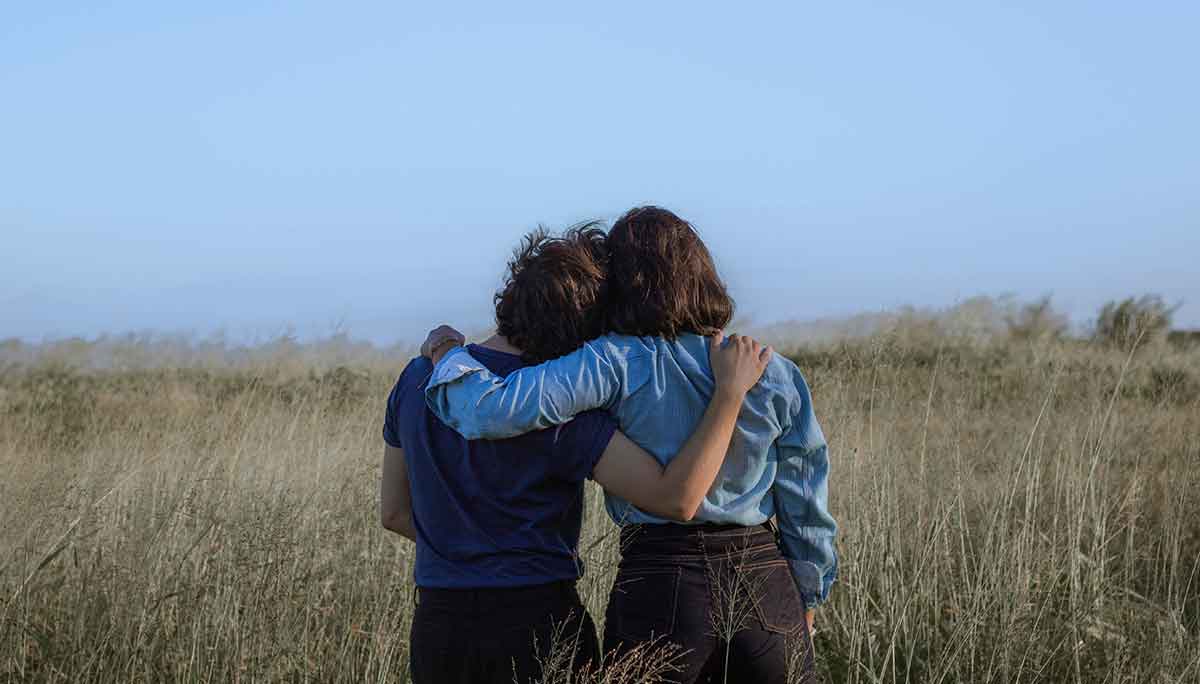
[(497, 523)]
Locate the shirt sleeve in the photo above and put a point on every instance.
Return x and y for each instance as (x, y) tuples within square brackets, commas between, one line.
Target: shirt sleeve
[(469, 398), (801, 495), (579, 445), (409, 379), (391, 431)]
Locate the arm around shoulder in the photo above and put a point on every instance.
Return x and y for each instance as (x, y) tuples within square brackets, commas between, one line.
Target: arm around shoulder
[(469, 398)]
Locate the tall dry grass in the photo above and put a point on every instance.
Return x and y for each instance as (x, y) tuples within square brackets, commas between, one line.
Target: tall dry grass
[(1010, 513)]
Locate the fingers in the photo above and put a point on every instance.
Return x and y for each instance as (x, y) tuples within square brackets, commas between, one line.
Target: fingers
[(446, 332), (741, 345), (750, 344), (440, 336), (758, 351)]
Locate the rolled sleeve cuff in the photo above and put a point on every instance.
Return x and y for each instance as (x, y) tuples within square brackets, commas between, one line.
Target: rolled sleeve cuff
[(813, 585), (455, 365)]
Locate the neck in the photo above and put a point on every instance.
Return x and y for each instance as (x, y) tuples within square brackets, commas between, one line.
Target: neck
[(500, 343)]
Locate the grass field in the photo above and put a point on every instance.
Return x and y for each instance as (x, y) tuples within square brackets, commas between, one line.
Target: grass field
[(1011, 512)]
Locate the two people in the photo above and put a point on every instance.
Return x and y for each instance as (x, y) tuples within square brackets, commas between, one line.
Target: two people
[(631, 324)]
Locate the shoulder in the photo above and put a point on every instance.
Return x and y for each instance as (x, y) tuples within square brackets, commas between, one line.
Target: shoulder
[(783, 371), (417, 370), (412, 378), (399, 401), (618, 351), (686, 346), (618, 346), (784, 378), (624, 360)]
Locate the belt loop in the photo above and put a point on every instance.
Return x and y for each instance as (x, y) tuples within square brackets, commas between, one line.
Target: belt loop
[(774, 529)]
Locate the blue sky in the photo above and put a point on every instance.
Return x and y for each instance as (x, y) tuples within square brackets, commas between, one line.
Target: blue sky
[(248, 166)]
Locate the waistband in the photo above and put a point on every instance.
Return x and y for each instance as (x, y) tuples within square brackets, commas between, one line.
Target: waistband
[(676, 531), (483, 599), (703, 539)]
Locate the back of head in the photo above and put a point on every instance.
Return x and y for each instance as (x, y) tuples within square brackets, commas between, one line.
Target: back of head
[(662, 280), (550, 302)]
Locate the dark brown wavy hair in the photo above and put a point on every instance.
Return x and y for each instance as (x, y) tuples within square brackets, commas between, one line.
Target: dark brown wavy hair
[(551, 302), (661, 278)]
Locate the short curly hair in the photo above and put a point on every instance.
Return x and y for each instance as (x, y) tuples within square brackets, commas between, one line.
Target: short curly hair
[(551, 302)]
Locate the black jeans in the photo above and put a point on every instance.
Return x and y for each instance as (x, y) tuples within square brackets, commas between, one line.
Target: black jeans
[(723, 593), (464, 636)]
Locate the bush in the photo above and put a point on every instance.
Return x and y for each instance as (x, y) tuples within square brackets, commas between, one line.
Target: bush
[(1037, 320), (1131, 322), (1184, 339)]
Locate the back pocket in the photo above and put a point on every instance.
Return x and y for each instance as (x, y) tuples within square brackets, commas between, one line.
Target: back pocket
[(777, 602), (642, 604)]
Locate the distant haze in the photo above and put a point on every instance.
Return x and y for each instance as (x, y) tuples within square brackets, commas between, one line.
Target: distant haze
[(254, 167)]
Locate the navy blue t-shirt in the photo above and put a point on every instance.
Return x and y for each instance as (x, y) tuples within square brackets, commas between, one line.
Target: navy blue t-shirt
[(501, 513)]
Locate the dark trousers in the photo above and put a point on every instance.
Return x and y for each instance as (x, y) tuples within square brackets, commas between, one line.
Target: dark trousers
[(722, 593), (469, 636)]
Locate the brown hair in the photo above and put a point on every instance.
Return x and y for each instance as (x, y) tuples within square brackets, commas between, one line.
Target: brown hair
[(662, 280), (551, 300)]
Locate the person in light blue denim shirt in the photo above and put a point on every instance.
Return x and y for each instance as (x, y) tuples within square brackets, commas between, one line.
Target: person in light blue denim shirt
[(653, 375)]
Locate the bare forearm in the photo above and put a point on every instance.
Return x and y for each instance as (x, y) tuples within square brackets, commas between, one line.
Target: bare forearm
[(402, 526), (395, 500)]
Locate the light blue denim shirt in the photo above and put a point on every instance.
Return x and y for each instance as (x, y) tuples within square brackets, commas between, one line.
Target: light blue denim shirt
[(658, 390)]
